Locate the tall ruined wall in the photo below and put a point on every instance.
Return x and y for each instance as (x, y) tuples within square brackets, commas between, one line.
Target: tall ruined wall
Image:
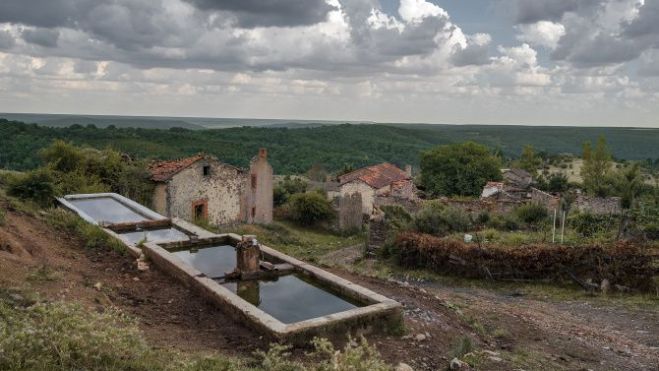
[(159, 199), (350, 212), (221, 189), (367, 194), (259, 193)]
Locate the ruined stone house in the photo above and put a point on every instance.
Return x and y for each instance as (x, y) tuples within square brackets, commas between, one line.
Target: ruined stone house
[(518, 178), (202, 187), (376, 180)]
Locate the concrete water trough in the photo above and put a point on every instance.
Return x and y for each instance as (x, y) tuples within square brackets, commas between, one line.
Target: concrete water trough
[(286, 299)]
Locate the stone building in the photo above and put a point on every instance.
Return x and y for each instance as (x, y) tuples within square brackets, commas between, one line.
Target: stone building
[(518, 178), (372, 181), (202, 187)]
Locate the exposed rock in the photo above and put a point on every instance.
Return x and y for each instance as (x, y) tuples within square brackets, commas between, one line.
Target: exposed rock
[(605, 286), (403, 367), (98, 286), (456, 364), (420, 337)]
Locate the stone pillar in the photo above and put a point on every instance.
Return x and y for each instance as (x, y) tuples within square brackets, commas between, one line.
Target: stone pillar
[(248, 256)]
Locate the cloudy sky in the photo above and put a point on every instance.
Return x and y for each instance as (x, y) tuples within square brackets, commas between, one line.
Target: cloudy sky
[(559, 62)]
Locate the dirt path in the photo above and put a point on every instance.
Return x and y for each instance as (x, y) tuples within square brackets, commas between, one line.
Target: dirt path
[(497, 331)]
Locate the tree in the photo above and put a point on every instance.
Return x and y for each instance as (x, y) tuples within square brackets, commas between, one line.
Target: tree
[(558, 183), (596, 168), (628, 184), (529, 160), (288, 187), (458, 169)]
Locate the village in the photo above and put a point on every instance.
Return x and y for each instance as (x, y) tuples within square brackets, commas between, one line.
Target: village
[(371, 252)]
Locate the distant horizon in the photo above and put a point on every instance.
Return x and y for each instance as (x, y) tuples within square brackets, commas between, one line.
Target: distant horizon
[(338, 121)]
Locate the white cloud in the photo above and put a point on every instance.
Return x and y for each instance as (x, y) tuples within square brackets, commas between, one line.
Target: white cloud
[(415, 11), (541, 33)]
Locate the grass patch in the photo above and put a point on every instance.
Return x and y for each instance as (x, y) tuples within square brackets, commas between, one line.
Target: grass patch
[(308, 244), (43, 274), (93, 236), (64, 336)]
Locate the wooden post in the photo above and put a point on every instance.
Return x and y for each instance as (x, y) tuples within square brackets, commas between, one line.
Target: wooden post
[(563, 226), (553, 228)]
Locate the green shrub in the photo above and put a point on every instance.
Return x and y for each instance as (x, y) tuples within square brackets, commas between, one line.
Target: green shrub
[(93, 235), (532, 214), (37, 185), (437, 219), (288, 187), (651, 231), (500, 222), (589, 225), (356, 356), (65, 336), (309, 208)]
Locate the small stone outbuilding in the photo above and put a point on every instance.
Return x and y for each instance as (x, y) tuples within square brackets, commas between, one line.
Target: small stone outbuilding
[(376, 180), (202, 187)]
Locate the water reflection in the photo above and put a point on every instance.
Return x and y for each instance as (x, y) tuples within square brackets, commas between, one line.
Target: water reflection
[(213, 261), (290, 298), (155, 235)]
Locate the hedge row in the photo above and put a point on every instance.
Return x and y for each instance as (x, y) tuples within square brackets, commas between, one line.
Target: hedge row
[(623, 263)]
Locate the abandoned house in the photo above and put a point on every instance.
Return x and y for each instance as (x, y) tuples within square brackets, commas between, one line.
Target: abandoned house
[(202, 187), (517, 178), (376, 180)]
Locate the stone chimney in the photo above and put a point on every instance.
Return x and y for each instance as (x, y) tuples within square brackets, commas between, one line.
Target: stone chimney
[(408, 170), (263, 153)]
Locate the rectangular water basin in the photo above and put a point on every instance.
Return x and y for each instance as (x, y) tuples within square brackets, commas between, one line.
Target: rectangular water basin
[(154, 235), (213, 261), (107, 210), (291, 298)]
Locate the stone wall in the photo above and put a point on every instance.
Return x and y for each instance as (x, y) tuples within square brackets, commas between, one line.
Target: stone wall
[(349, 212), (367, 194), (597, 205)]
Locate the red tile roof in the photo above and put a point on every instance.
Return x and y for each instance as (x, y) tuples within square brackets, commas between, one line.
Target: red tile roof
[(164, 170), (377, 176)]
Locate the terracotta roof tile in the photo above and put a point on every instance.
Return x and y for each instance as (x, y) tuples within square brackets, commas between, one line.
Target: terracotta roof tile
[(164, 170), (376, 176)]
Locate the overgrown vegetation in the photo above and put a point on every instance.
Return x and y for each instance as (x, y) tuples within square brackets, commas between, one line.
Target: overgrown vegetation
[(308, 209), (69, 169), (93, 236), (67, 336), (458, 169), (621, 263)]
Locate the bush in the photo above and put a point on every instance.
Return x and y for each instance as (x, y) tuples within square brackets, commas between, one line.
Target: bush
[(437, 219), (288, 187), (37, 185), (651, 231), (309, 208), (623, 263), (503, 222), (356, 356), (589, 225), (532, 214), (64, 336)]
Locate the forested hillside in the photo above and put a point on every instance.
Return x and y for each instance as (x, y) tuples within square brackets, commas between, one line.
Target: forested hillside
[(296, 150)]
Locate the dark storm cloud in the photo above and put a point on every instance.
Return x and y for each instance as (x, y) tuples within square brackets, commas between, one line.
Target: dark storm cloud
[(645, 27), (530, 11), (43, 13), (41, 36), (254, 13)]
